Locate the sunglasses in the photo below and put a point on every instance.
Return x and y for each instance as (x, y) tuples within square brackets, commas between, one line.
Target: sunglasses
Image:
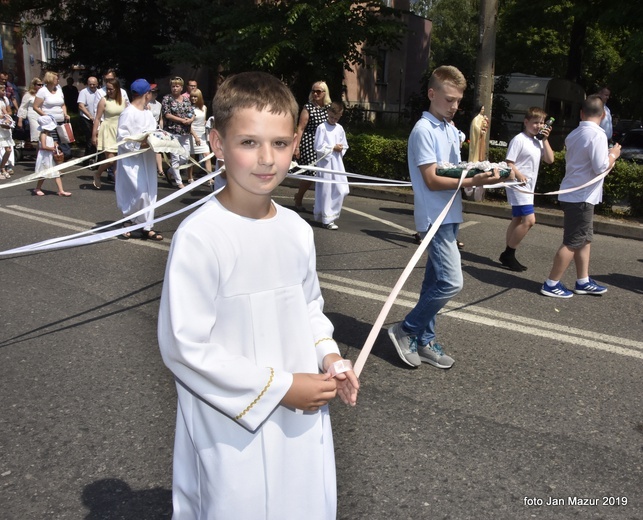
[(38, 84), (317, 91)]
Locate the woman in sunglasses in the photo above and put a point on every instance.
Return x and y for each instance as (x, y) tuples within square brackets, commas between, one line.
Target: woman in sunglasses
[(26, 111), (314, 113)]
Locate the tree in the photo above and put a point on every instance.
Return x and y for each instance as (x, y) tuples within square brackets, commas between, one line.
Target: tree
[(454, 36), (301, 41), (590, 42), (298, 41), (118, 34)]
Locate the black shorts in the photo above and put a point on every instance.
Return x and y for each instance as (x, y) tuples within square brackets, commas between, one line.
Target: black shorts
[(578, 227)]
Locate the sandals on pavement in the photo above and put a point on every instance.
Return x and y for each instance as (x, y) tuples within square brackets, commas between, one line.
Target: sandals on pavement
[(127, 235), (151, 235)]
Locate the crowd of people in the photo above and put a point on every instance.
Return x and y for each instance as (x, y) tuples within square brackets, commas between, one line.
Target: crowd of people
[(105, 119)]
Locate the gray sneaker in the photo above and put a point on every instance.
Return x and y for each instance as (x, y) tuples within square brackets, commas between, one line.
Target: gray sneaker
[(434, 355), (405, 344)]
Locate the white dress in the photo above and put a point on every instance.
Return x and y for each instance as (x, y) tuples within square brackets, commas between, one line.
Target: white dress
[(330, 197), (5, 133), (198, 127), (45, 158), (136, 180), (240, 312)]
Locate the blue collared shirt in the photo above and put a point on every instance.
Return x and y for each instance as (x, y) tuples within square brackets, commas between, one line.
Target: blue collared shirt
[(432, 141)]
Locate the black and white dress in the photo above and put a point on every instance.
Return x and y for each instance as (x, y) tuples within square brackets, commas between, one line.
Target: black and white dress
[(316, 116)]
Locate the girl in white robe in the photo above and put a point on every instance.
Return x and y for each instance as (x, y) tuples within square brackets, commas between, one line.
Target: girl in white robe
[(331, 144)]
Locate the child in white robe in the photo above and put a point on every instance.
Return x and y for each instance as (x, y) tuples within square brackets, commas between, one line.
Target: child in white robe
[(136, 183), (330, 143), (241, 326)]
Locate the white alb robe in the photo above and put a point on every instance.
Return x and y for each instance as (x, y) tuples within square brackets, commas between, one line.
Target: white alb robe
[(330, 197), (136, 180), (241, 311)]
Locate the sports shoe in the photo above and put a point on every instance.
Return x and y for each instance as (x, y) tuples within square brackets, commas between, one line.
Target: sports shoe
[(434, 355), (405, 344), (557, 291), (332, 225), (590, 287)]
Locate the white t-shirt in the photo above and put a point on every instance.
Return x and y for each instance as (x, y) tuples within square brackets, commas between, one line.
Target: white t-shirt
[(52, 103), (88, 98), (587, 157), (526, 153), (606, 123)]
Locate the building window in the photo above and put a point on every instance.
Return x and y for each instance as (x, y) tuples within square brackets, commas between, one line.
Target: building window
[(381, 66), (48, 44)]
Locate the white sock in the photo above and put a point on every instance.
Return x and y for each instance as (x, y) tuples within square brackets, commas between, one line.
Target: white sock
[(582, 281), (551, 283)]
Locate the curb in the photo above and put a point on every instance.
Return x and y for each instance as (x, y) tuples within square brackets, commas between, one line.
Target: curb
[(548, 217)]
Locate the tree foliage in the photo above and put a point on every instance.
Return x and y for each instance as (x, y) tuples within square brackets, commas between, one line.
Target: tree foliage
[(99, 35), (301, 41), (590, 42)]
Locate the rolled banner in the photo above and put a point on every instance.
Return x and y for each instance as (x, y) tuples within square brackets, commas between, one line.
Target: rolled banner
[(455, 170)]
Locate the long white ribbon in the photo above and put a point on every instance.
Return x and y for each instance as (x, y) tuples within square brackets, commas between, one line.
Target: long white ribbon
[(566, 190)]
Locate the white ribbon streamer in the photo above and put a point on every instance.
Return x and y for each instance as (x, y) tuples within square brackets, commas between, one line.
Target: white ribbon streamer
[(379, 322)]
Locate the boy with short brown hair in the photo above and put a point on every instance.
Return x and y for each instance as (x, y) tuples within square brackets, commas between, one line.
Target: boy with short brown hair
[(242, 328)]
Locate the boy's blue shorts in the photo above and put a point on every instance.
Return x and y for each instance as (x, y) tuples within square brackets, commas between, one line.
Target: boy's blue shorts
[(522, 211)]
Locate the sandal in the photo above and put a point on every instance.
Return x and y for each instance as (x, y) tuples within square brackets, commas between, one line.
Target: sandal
[(127, 235), (39, 193), (151, 235), (64, 194)]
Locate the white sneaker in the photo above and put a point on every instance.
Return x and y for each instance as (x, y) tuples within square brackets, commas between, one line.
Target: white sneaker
[(332, 225)]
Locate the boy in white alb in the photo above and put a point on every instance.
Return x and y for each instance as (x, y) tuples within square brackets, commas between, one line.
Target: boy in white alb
[(524, 155), (242, 328), (330, 143), (136, 183)]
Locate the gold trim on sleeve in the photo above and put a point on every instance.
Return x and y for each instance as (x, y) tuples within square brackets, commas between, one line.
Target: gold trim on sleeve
[(265, 389), (324, 339)]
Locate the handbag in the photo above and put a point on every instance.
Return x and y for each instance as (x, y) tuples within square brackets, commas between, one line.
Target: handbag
[(59, 157), (65, 133)]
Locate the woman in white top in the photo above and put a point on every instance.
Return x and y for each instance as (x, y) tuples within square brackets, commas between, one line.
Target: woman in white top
[(26, 111), (50, 102), (200, 144)]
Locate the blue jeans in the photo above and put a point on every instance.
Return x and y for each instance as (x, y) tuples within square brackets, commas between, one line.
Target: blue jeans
[(442, 281)]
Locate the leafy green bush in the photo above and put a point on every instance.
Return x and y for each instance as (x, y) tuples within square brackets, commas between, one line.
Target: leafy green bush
[(378, 156)]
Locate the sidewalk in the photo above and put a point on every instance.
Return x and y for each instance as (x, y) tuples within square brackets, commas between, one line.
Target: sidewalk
[(549, 217)]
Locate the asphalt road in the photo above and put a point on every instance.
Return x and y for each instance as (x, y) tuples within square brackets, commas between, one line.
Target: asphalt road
[(542, 405)]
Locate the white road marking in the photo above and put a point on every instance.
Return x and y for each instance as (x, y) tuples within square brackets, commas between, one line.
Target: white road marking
[(471, 313), (491, 318), (393, 224), (61, 221)]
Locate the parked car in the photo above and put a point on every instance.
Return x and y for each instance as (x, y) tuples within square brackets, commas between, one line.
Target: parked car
[(632, 146), (622, 127)]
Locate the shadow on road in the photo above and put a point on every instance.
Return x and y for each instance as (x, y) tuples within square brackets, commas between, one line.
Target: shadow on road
[(114, 499)]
